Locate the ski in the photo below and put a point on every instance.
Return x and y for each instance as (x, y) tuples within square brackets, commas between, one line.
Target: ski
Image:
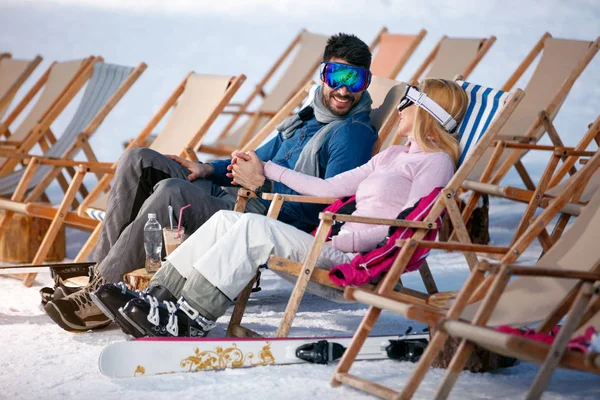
[(152, 356)]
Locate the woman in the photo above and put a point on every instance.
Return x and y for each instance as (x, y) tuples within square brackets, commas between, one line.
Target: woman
[(209, 270)]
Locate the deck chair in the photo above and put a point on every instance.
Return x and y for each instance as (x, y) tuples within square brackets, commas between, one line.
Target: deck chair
[(306, 58), (61, 83), (392, 51), (450, 58), (561, 63), (550, 185), (310, 271), (13, 73), (526, 300), (196, 103), (107, 85)]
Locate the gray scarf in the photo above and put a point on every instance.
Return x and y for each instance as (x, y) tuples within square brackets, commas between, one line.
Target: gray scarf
[(308, 162)]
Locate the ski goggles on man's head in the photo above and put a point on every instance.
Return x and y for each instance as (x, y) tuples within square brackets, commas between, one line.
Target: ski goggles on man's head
[(414, 96), (335, 75)]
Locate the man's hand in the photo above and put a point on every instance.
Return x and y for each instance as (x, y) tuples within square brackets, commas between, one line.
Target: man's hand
[(197, 170), (246, 170)]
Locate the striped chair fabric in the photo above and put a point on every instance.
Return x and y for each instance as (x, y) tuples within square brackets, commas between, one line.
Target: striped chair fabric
[(484, 104), (104, 82)]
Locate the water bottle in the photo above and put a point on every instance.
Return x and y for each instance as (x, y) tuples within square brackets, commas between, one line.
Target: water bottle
[(152, 243)]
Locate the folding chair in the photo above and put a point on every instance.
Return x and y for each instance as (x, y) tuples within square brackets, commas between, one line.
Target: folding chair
[(453, 56), (61, 83), (550, 185), (530, 299), (197, 102), (561, 63), (450, 58), (13, 73), (107, 85), (300, 69), (385, 94), (392, 51)]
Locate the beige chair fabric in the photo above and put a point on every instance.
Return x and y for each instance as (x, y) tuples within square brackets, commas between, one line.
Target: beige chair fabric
[(391, 50), (309, 52), (200, 97), (453, 57), (528, 300), (11, 70)]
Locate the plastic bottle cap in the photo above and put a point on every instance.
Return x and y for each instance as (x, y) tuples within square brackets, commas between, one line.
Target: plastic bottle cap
[(151, 215)]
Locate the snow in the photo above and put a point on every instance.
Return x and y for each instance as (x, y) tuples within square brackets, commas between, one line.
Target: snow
[(38, 359)]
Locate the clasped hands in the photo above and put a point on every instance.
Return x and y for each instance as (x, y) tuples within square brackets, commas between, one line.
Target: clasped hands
[(246, 170)]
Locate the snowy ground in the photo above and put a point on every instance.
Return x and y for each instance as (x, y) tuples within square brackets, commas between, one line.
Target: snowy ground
[(39, 360)]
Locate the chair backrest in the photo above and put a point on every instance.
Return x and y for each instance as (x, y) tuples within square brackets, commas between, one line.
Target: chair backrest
[(13, 73), (305, 61), (546, 90), (483, 106), (527, 300), (452, 57), (393, 51), (203, 98), (61, 74), (106, 79), (201, 95)]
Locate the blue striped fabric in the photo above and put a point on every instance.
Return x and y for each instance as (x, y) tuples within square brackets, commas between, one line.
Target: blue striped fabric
[(104, 82), (484, 104), (93, 213)]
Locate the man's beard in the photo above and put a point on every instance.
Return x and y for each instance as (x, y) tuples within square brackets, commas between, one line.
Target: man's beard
[(328, 99)]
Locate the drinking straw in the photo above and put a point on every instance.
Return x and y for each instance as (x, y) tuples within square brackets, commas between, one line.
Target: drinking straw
[(171, 216), (180, 214)]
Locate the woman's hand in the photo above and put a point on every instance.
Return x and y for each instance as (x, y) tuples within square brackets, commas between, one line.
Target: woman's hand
[(247, 170)]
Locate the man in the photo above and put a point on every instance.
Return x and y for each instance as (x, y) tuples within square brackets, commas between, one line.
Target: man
[(331, 136)]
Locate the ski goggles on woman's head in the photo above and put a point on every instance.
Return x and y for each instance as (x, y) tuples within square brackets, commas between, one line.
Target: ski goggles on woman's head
[(336, 75), (414, 96)]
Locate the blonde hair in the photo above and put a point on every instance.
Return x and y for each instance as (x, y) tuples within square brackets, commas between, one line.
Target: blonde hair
[(429, 134)]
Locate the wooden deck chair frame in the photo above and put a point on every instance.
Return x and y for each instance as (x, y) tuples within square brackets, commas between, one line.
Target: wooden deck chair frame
[(477, 287), (25, 192), (392, 51), (79, 218), (421, 72), (311, 272), (7, 97), (80, 142), (542, 124), (552, 176), (238, 110), (41, 130)]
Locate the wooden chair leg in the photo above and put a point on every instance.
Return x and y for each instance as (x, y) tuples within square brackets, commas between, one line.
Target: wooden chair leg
[(427, 278), (89, 244), (56, 224), (303, 278), (239, 309), (465, 348)]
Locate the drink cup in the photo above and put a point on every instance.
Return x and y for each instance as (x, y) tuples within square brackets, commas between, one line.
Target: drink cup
[(173, 238)]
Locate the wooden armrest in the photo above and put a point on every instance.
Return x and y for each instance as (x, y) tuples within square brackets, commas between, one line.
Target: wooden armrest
[(454, 246), (299, 198), (562, 151), (518, 139), (327, 216), (11, 143), (526, 270), (92, 165), (243, 192)]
